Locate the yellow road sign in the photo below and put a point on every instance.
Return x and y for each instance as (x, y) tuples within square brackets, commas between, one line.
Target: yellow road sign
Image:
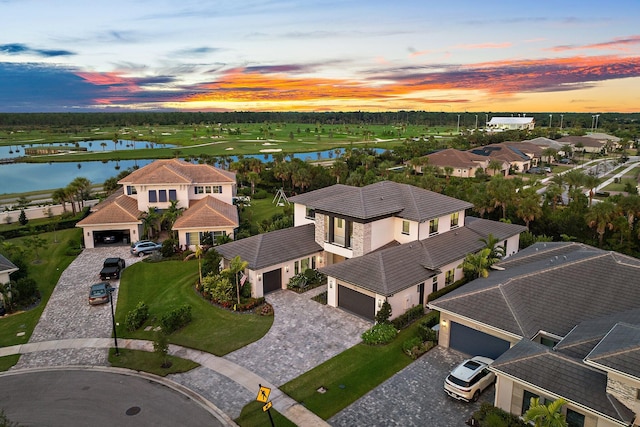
[(266, 407), (263, 394)]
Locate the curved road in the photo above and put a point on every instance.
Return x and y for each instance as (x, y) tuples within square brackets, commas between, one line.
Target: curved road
[(98, 398)]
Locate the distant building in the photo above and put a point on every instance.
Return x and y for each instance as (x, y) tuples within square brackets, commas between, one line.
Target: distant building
[(510, 123)]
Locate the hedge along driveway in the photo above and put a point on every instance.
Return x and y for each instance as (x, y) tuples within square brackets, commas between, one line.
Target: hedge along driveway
[(166, 285)]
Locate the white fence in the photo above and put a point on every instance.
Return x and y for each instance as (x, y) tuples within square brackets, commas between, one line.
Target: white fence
[(43, 211)]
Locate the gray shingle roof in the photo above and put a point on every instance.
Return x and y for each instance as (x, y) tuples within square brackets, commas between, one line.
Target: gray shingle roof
[(274, 247), (381, 199), (539, 366), (619, 350), (585, 336), (549, 288), (391, 270)]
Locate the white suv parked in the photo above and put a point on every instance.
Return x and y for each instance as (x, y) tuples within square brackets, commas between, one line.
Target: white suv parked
[(469, 379)]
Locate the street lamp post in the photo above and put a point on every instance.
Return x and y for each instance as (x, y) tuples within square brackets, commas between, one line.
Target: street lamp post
[(561, 117), (113, 320), (550, 120), (458, 131), (597, 115)]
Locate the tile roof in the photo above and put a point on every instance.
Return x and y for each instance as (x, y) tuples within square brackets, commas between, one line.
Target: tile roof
[(6, 265), (545, 142), (537, 365), (586, 335), (619, 350), (274, 247), (455, 158), (382, 199), (501, 152), (391, 270), (175, 171), (208, 212), (585, 141), (117, 209), (548, 287)]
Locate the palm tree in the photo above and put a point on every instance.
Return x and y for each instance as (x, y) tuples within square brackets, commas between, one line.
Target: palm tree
[(171, 214), (60, 196), (150, 222), (477, 265), (549, 415), (82, 186), (339, 169), (590, 182), (553, 193), (495, 165), (501, 192), (601, 217), (198, 254), (235, 267), (528, 208), (496, 251)]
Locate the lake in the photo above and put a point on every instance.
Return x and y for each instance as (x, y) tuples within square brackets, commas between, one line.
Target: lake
[(24, 177)]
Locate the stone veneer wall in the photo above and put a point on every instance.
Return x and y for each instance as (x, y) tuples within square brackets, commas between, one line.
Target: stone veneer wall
[(624, 392), (361, 239), (319, 236)]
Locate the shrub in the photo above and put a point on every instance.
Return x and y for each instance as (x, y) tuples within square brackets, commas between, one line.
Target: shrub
[(22, 219), (26, 291), (176, 319), (168, 248), (219, 288), (415, 347), (136, 317), (383, 315), (408, 317), (211, 262), (425, 331), (381, 333), (490, 416)]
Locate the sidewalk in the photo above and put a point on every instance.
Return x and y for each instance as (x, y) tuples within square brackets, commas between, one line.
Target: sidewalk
[(288, 407)]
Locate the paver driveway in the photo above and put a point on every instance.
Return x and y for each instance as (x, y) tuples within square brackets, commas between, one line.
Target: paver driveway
[(304, 334), (69, 315), (414, 397)]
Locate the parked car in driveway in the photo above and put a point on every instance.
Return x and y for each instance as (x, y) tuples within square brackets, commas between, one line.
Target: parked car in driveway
[(469, 379), (99, 293), (111, 268), (144, 247)]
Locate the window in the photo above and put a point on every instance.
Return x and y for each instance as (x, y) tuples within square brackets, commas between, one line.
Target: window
[(207, 189), (216, 189), (526, 400), (173, 195), (338, 231), (310, 213), (193, 238), (434, 286), (449, 277), (433, 227), (313, 262), (131, 190), (405, 227), (296, 267), (162, 195), (304, 264), (574, 419), (153, 197), (548, 342), (504, 246), (199, 189), (455, 218)]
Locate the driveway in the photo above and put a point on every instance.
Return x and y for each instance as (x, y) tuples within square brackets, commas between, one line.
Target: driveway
[(304, 334), (69, 315), (414, 397)]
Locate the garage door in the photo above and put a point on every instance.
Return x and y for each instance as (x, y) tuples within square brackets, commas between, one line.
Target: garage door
[(272, 281), (355, 302), (476, 343)]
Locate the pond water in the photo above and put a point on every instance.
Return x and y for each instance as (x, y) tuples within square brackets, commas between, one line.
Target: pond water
[(24, 177), (18, 150)]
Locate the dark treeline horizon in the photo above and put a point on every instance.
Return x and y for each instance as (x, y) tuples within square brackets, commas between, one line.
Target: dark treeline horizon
[(419, 118)]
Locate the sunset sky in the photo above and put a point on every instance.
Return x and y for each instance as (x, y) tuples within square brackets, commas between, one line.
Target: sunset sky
[(269, 55)]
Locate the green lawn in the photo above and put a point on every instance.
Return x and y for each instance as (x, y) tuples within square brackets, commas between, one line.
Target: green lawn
[(46, 274), (252, 415), (349, 375), (169, 284), (149, 362)]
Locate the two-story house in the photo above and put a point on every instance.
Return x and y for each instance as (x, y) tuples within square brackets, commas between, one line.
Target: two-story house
[(384, 241), (205, 193), (562, 320)]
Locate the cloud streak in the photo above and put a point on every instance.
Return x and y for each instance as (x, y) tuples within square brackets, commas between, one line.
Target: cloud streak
[(23, 49)]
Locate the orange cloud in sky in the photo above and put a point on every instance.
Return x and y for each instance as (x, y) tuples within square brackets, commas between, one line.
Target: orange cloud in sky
[(620, 43)]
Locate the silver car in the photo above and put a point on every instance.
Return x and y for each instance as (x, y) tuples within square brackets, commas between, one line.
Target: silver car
[(144, 247), (469, 379)]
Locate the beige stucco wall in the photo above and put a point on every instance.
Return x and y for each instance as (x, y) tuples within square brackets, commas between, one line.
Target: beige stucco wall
[(184, 193), (43, 211), (182, 234), (404, 300)]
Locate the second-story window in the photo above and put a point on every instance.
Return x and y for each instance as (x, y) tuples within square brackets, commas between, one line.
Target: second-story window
[(433, 227), (405, 227), (207, 189), (310, 213), (173, 195), (153, 196), (449, 277), (199, 189), (217, 189), (131, 190), (162, 195), (455, 219)]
